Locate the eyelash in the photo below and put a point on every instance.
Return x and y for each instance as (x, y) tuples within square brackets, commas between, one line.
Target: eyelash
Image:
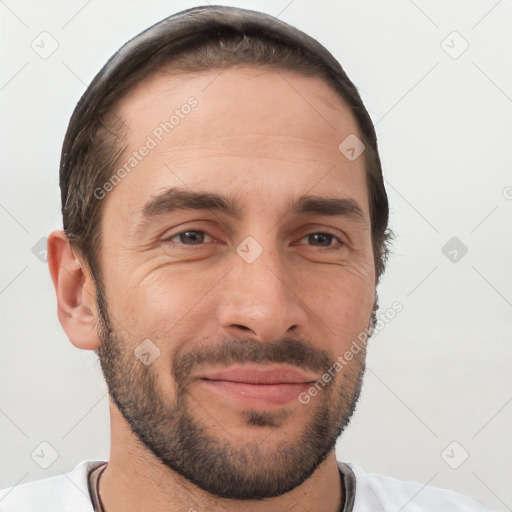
[(336, 247)]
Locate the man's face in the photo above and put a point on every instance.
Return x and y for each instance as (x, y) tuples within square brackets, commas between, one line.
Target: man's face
[(203, 290)]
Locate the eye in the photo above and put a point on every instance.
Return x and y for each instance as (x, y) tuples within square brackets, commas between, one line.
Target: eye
[(323, 239), (188, 237)]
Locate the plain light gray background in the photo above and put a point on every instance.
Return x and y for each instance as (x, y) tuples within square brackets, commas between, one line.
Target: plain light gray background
[(438, 384)]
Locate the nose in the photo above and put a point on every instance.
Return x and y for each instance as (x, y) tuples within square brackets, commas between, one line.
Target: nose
[(260, 299)]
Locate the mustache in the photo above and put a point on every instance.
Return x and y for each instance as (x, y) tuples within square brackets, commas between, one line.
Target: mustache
[(241, 351)]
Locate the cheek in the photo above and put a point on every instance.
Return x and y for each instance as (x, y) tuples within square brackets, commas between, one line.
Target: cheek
[(163, 305), (171, 306), (342, 300)]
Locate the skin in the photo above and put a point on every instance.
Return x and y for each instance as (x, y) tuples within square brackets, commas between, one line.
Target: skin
[(266, 143)]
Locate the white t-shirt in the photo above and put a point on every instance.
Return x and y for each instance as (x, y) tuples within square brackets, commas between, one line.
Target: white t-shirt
[(365, 492)]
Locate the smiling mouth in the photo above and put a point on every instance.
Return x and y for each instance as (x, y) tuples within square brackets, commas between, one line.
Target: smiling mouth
[(258, 386), (257, 394)]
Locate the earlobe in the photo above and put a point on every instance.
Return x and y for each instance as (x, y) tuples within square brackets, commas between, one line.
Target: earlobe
[(75, 292)]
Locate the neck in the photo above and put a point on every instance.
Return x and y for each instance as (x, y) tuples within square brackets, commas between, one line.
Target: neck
[(136, 480)]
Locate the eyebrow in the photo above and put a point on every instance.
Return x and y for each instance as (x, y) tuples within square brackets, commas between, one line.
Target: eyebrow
[(176, 199)]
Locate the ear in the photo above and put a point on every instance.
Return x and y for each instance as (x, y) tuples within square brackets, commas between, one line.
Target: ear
[(76, 293)]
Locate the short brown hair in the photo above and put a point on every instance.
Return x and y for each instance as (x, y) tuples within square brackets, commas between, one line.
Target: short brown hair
[(194, 40)]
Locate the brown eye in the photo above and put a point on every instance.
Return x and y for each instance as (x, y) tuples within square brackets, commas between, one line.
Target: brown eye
[(322, 239), (189, 237)]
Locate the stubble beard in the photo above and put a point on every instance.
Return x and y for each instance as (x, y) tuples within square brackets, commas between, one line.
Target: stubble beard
[(249, 470)]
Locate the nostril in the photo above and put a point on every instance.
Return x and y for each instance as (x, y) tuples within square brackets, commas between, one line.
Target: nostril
[(242, 327)]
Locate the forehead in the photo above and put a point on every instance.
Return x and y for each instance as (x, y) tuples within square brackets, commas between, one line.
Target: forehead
[(241, 129), (237, 101)]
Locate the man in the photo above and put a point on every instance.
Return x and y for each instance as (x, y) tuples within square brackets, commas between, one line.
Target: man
[(225, 228)]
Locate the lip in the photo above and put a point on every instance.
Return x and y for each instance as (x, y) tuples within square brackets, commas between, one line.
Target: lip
[(251, 374), (256, 395), (258, 387)]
